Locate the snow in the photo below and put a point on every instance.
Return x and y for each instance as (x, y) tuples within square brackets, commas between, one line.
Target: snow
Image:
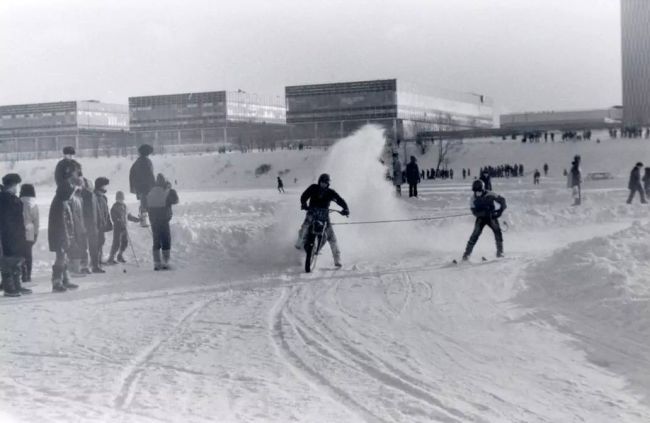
[(558, 331)]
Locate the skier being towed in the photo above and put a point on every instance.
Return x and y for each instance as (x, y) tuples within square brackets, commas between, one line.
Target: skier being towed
[(483, 207), (320, 196)]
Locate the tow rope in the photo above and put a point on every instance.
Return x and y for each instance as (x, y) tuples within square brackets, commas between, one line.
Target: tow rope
[(403, 220)]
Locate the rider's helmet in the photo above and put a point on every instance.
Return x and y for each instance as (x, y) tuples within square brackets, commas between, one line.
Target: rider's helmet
[(478, 186), (324, 178)]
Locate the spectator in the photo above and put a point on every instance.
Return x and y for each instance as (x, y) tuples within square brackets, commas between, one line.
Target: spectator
[(32, 225), (12, 234)]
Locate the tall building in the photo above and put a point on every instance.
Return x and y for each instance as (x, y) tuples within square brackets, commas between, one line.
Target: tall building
[(217, 118), (325, 112), (34, 130), (635, 25)]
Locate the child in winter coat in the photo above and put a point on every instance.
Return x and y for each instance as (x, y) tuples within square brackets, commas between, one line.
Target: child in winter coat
[(104, 224), (120, 216), (31, 218), (160, 200), (12, 234)]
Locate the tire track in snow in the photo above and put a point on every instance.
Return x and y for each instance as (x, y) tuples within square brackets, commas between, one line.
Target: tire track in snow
[(300, 368), (133, 371)]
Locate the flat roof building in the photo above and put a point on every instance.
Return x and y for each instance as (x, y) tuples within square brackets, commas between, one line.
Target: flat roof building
[(635, 36), (218, 117), (325, 112), (562, 120), (33, 130)]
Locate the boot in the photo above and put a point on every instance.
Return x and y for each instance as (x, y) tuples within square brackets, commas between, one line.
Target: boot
[(157, 262), (65, 280), (98, 270), (337, 261), (17, 285), (144, 220), (111, 259), (120, 258), (57, 282), (10, 288), (75, 269), (166, 254)]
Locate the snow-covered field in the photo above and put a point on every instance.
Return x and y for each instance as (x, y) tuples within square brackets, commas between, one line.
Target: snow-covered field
[(559, 331)]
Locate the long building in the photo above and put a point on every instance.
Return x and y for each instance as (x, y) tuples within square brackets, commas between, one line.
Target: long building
[(218, 118), (322, 113), (36, 130), (635, 21), (562, 120)]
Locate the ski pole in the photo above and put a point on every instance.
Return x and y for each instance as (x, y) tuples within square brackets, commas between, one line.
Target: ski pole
[(137, 263)]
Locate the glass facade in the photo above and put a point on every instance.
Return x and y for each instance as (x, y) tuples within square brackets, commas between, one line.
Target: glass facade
[(96, 115), (635, 21)]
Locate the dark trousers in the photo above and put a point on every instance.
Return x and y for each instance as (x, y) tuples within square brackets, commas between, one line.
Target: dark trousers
[(633, 191), (482, 222), (95, 246), (162, 237), (11, 269), (27, 264), (120, 241), (413, 190)]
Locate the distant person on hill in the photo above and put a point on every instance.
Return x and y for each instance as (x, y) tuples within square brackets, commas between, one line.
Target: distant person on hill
[(487, 181), (464, 173), (32, 225), (142, 179), (635, 184), (120, 216), (413, 177), (545, 169), (451, 173), (280, 185), (66, 166), (646, 182), (397, 174), (319, 196), (160, 200), (483, 205), (575, 180), (536, 177)]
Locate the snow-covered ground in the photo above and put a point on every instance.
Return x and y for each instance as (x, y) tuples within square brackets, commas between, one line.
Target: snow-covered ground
[(559, 331)]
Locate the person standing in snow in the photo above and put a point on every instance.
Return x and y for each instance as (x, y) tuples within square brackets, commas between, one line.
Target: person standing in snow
[(142, 180), (280, 185), (104, 224), (80, 245), (483, 207), (545, 169), (120, 216), (413, 177), (575, 180), (646, 182), (160, 200), (12, 235), (32, 224), (61, 233), (398, 178), (485, 178), (319, 196), (90, 216), (66, 166), (635, 184), (536, 177)]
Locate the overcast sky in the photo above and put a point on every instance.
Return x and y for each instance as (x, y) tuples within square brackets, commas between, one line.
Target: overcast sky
[(526, 54)]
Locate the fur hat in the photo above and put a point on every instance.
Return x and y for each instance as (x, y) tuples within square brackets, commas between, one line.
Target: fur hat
[(145, 150), (11, 179), (119, 196), (27, 190), (101, 182), (69, 150)]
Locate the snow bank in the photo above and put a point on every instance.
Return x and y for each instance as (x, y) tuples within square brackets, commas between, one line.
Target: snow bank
[(599, 291)]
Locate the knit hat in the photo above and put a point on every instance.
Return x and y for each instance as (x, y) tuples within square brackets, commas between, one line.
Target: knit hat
[(119, 196), (145, 150), (27, 190), (69, 150)]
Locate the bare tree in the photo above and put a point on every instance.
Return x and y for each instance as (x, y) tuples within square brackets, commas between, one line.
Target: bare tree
[(446, 148)]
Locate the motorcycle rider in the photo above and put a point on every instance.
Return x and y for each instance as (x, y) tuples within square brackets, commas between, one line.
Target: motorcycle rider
[(483, 207), (320, 196)]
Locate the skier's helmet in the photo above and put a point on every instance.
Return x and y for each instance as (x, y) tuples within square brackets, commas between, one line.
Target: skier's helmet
[(324, 178), (478, 186)]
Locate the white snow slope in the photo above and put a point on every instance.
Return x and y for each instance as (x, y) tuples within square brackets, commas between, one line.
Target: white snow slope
[(557, 332)]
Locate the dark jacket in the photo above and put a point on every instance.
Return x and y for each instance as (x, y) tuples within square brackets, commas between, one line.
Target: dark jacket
[(159, 202), (412, 173), (646, 180), (90, 212), (120, 216), (484, 205), (321, 198), (12, 225), (141, 177), (104, 223), (64, 169), (635, 179), (575, 175), (61, 230), (487, 181)]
